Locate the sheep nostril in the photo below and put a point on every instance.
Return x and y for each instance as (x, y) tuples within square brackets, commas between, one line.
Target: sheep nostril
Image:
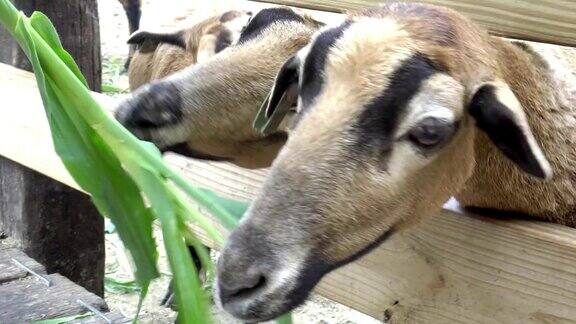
[(247, 290), (244, 287)]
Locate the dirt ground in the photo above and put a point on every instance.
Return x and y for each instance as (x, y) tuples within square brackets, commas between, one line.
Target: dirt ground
[(120, 295)]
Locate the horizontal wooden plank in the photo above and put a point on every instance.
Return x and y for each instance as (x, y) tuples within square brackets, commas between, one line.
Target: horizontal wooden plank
[(549, 21), (114, 317), (451, 268), (28, 300), (8, 269)]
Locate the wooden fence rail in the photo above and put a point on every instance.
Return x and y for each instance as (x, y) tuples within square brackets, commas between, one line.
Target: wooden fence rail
[(549, 21), (452, 268)]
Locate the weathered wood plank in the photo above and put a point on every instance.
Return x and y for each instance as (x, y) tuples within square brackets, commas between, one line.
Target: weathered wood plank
[(451, 268), (550, 21), (53, 223), (9, 271), (28, 300), (115, 317)]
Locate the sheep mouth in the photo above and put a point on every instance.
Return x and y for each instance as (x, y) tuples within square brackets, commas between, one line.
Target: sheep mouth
[(185, 150), (261, 305)]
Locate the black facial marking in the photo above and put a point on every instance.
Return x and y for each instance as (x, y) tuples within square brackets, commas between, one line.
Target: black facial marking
[(140, 38), (499, 123), (223, 40), (312, 74), (316, 267), (523, 46), (265, 18), (378, 121), (157, 106)]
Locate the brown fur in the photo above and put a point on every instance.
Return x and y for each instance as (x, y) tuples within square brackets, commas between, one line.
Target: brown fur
[(155, 61), (496, 182)]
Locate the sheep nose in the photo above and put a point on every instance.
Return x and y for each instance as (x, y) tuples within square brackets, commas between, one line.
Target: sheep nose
[(154, 106), (239, 284), (239, 276)]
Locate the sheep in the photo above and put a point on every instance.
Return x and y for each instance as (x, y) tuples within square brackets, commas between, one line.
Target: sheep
[(398, 109), (160, 55), (206, 111)]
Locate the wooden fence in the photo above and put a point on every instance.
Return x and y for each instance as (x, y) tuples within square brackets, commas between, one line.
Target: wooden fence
[(452, 268), (548, 21)]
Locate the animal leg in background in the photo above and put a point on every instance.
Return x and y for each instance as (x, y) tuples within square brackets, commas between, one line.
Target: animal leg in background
[(133, 13)]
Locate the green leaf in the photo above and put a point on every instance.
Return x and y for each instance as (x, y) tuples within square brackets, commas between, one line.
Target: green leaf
[(62, 320), (187, 284), (110, 88), (234, 207), (260, 121), (120, 287), (201, 250), (284, 319), (95, 168), (44, 27), (114, 192), (190, 213), (267, 125)]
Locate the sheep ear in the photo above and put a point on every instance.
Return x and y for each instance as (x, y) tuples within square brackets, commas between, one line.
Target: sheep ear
[(282, 96), (284, 93), (499, 114), (142, 38)]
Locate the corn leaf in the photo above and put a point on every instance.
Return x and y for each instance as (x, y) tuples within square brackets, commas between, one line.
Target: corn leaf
[(62, 320), (186, 281), (44, 27), (94, 166), (284, 319), (120, 287)]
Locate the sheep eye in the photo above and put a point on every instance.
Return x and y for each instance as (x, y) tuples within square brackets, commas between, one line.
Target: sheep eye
[(430, 132)]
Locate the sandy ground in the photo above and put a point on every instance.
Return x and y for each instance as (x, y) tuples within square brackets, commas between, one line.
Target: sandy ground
[(166, 15)]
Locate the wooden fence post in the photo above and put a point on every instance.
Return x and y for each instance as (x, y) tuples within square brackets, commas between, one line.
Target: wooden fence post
[(56, 225)]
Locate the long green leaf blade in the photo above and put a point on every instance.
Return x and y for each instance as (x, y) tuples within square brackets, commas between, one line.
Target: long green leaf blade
[(186, 281), (44, 27), (95, 168)]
